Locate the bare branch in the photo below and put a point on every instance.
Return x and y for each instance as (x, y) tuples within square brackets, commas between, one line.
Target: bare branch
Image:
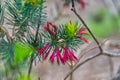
[(77, 66), (73, 9), (88, 59), (6, 33)]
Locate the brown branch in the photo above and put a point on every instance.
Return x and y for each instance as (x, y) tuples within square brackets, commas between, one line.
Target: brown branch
[(71, 67), (88, 59), (73, 9), (84, 53), (109, 54), (6, 33), (30, 67), (13, 31), (76, 67)]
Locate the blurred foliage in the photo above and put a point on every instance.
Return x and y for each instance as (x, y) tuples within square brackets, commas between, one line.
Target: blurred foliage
[(25, 77), (22, 51), (16, 48), (103, 24)]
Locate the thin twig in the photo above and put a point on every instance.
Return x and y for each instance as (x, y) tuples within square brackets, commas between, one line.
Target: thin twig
[(30, 68), (73, 9), (71, 67), (76, 67), (32, 58), (84, 53), (88, 59), (13, 31), (6, 33)]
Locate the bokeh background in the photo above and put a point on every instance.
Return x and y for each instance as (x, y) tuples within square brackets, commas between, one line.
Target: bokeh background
[(103, 18)]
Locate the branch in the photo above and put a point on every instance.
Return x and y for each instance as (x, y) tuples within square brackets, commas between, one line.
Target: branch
[(79, 17), (32, 58), (111, 54), (76, 67), (88, 59), (6, 33), (30, 68)]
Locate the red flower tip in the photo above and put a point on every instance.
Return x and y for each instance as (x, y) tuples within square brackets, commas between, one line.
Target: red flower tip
[(42, 50), (83, 39), (81, 31), (65, 55), (52, 57), (50, 28), (69, 55), (46, 55), (56, 55), (72, 56)]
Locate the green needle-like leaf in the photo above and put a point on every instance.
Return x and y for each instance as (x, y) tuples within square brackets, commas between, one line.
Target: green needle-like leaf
[(22, 51)]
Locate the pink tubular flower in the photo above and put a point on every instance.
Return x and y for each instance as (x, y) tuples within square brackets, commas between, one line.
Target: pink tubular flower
[(69, 55), (56, 54), (50, 28), (72, 56), (46, 54), (81, 32), (52, 57), (42, 50), (65, 55)]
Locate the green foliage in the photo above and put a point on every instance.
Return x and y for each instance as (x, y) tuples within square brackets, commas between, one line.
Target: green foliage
[(118, 21), (22, 51), (1, 13), (25, 77), (16, 48), (24, 15), (103, 24), (71, 29), (66, 36), (6, 51)]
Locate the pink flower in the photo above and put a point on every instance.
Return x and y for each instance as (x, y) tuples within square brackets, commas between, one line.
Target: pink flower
[(83, 3), (72, 56), (81, 32), (50, 28), (42, 50), (65, 55), (69, 55), (52, 57), (56, 54), (46, 54)]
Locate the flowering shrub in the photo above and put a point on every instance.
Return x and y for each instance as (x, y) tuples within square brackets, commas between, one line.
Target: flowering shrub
[(31, 37), (61, 41)]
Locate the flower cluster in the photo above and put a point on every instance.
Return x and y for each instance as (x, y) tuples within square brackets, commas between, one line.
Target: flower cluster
[(63, 57), (60, 39)]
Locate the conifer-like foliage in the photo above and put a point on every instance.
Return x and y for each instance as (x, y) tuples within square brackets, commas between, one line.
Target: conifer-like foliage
[(26, 35), (19, 41)]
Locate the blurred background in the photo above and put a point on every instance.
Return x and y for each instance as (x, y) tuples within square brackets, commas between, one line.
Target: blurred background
[(102, 16)]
